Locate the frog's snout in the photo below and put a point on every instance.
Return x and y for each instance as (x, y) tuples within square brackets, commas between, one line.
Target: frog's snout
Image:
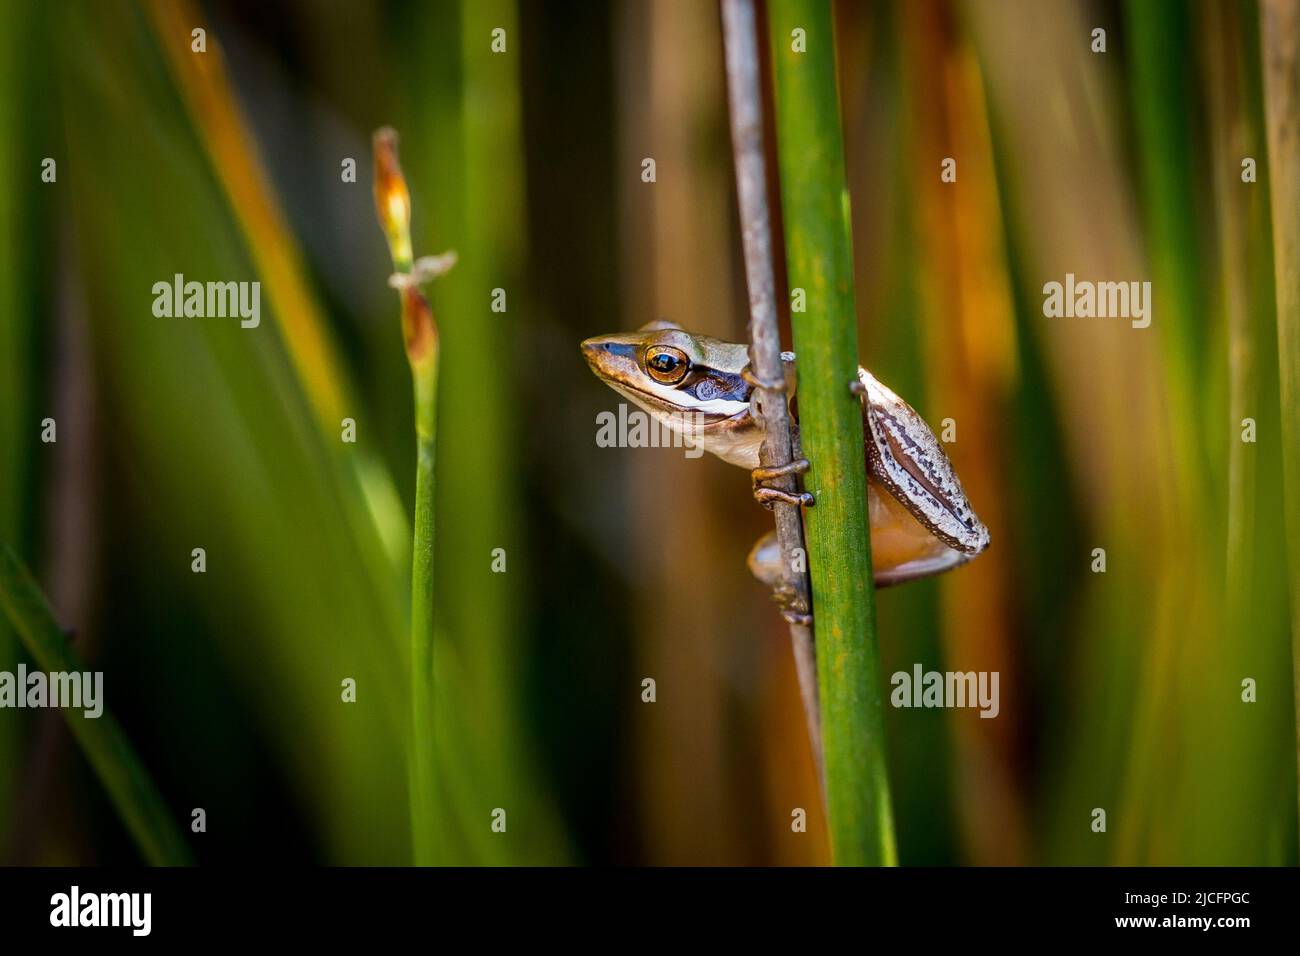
[(604, 352)]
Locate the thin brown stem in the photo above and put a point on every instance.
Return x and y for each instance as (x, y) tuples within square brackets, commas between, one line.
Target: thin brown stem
[(744, 91)]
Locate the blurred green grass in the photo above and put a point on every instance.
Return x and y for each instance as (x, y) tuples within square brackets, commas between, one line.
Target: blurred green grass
[(23, 233)]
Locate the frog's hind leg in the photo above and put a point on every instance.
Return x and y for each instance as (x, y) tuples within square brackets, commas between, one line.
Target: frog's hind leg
[(908, 463)]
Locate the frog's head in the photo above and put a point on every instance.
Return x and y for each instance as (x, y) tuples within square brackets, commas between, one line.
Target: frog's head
[(692, 384), (672, 373)]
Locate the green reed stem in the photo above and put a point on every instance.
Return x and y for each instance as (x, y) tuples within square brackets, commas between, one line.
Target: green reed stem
[(421, 337), (814, 198), (423, 825)]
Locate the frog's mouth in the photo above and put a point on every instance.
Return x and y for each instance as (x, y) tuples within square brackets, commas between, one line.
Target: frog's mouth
[(702, 415)]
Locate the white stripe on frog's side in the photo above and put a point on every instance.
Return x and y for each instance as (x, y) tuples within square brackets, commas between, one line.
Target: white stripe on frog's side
[(923, 480)]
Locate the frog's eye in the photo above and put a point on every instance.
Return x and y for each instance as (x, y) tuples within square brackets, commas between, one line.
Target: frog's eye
[(667, 365)]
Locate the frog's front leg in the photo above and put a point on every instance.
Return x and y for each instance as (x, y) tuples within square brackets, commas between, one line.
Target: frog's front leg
[(765, 564), (765, 494)]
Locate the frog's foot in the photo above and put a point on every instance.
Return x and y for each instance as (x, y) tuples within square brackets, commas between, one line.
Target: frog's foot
[(793, 607), (765, 495)]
